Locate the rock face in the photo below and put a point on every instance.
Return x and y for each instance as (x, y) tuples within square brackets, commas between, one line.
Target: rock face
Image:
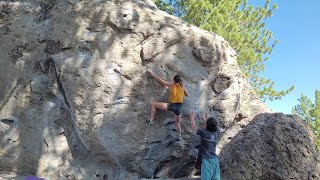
[(272, 146), (74, 93)]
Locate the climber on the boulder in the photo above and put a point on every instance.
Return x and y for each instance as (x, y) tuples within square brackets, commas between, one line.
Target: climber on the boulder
[(210, 168), (177, 93)]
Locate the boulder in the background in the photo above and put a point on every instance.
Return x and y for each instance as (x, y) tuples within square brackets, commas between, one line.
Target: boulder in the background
[(272, 146)]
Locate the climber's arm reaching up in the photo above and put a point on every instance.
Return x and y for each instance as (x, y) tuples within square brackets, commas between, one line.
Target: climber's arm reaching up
[(163, 82), (185, 91), (204, 119), (194, 127)]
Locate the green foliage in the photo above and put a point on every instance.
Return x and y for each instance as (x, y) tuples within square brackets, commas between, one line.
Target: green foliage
[(310, 112), (163, 5), (243, 26)]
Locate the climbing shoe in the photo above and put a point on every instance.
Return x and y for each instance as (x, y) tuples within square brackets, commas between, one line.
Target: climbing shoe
[(149, 122)]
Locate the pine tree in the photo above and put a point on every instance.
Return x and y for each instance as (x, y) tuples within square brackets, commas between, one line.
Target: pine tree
[(310, 112), (243, 26)]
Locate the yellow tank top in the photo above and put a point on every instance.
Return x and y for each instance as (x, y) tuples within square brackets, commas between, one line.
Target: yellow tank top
[(177, 94)]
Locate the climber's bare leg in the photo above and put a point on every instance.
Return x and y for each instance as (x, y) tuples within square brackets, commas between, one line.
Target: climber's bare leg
[(178, 119), (159, 105)]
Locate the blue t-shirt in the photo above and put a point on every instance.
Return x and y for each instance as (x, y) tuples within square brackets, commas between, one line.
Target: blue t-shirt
[(208, 143)]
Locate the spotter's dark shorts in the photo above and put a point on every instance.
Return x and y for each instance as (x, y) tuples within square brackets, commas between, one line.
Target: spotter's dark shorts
[(176, 108)]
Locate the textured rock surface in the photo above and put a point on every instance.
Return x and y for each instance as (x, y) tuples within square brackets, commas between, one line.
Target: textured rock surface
[(272, 146), (74, 93)]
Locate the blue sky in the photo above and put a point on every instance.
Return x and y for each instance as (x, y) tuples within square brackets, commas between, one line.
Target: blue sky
[(296, 59)]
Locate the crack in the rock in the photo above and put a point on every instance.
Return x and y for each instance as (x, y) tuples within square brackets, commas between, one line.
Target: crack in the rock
[(145, 38), (118, 30), (113, 27), (60, 86), (171, 43), (11, 92), (163, 26)]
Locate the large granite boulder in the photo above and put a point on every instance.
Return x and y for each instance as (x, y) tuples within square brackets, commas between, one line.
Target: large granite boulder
[(74, 93), (272, 146)]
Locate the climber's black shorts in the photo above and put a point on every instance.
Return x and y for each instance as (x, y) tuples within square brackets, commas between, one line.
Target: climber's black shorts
[(176, 108)]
